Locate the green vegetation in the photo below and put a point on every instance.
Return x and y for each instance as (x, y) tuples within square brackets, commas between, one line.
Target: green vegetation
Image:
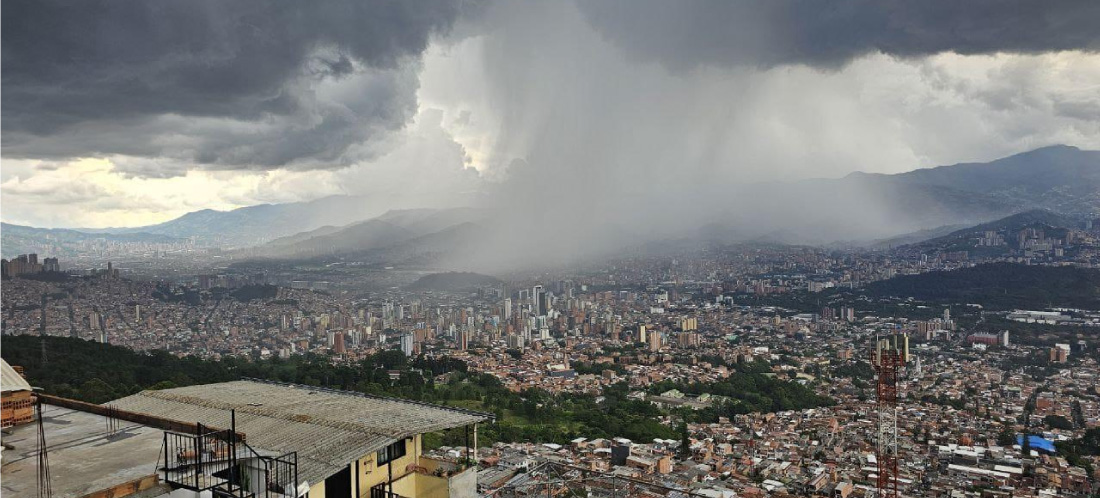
[(1007, 437), (249, 292), (454, 281), (1000, 286), (1038, 366), (746, 393), (1058, 422), (164, 292), (1033, 334), (855, 370), (1075, 450), (99, 373), (48, 276), (597, 368)]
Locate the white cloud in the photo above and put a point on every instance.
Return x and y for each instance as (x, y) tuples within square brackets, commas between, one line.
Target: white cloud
[(423, 167)]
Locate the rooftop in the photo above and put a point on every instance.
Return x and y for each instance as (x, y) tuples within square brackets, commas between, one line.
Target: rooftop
[(328, 428), (84, 457)]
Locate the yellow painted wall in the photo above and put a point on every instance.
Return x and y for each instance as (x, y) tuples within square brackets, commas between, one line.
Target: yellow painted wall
[(371, 474), (317, 490), (421, 486)]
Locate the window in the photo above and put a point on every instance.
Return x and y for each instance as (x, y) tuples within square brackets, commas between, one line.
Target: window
[(391, 452)]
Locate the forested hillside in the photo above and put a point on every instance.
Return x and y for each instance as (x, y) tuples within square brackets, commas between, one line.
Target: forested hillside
[(98, 373), (1000, 286)]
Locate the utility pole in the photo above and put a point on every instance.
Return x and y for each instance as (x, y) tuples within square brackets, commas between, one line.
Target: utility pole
[(42, 327)]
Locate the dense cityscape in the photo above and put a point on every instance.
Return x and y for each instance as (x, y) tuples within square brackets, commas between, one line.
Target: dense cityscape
[(681, 334), (564, 249)]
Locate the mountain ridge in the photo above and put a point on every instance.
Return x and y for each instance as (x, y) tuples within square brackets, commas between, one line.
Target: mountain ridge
[(859, 206)]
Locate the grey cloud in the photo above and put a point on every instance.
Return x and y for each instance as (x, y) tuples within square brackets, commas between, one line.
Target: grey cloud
[(594, 151), (101, 77), (148, 167), (689, 33), (1080, 109)]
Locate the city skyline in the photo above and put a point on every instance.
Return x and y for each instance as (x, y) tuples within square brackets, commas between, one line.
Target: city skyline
[(598, 248)]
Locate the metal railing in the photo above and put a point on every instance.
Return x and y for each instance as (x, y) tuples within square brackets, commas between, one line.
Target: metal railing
[(198, 461), (219, 462), (381, 491)]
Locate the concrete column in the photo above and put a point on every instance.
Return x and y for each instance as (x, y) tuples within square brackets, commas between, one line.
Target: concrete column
[(475, 445)]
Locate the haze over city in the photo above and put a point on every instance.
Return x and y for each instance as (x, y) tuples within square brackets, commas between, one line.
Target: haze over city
[(509, 249)]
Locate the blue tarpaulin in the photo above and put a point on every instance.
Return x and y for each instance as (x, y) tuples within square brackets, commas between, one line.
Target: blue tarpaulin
[(1037, 443)]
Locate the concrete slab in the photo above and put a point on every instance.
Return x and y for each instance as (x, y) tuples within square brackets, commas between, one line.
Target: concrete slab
[(83, 457)]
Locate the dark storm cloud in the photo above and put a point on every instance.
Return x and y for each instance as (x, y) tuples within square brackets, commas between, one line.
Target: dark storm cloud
[(114, 76), (684, 34)]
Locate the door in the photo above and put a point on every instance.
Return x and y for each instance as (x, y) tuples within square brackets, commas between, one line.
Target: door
[(338, 485)]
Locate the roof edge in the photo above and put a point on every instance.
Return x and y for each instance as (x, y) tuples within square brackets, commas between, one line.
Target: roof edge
[(474, 413)]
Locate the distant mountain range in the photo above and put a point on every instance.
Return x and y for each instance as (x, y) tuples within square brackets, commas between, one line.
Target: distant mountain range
[(61, 242), (953, 237), (872, 207), (1037, 218), (254, 225), (1059, 178), (392, 230), (921, 204)]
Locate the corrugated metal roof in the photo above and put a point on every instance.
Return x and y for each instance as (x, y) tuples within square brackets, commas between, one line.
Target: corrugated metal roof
[(10, 380), (328, 428)]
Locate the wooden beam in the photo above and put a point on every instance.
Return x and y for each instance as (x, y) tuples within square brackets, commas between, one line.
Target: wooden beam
[(138, 418), (126, 488)]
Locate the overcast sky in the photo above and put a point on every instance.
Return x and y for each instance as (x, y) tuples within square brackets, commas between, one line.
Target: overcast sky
[(133, 112)]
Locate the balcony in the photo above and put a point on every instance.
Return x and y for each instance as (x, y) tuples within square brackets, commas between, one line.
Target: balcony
[(431, 478)]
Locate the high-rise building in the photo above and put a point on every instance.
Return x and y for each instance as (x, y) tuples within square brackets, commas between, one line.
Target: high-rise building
[(989, 338), (848, 314), (21, 265), (408, 344), (1059, 353), (538, 300), (655, 341), (51, 264), (338, 343), (689, 339)]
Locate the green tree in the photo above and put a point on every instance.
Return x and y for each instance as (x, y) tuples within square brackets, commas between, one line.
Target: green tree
[(685, 440), (1058, 422), (1007, 437), (164, 384), (97, 391)]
